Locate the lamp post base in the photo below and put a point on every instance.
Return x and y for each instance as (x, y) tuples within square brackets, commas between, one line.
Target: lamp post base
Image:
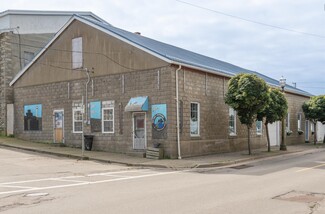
[(283, 147)]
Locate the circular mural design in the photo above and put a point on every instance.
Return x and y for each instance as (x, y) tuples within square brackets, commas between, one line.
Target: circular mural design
[(159, 122)]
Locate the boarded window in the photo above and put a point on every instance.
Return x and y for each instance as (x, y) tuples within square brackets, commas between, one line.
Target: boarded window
[(77, 53)]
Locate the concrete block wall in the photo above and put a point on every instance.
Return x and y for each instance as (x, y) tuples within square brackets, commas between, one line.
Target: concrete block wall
[(294, 107), (62, 95), (6, 64), (12, 48), (209, 90), (194, 86)]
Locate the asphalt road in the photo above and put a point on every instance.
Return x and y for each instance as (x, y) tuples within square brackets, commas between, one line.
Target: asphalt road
[(33, 183)]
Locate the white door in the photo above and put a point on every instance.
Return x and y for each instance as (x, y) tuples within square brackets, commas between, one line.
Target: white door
[(274, 133), (139, 131)]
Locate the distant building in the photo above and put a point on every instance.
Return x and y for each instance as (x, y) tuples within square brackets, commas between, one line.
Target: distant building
[(141, 93), (23, 33)]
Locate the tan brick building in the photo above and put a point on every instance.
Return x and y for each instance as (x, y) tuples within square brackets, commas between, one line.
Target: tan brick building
[(135, 85)]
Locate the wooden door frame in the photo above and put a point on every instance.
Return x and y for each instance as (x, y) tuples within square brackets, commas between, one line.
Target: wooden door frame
[(54, 111)]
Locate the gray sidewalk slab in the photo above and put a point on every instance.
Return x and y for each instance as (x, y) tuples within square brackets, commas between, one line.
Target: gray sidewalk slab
[(193, 162)]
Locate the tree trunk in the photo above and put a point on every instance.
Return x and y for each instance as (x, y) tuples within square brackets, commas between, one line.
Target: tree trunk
[(249, 140), (315, 133), (268, 137)]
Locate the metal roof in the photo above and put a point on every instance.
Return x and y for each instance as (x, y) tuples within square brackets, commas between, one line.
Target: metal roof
[(186, 57), (173, 54)]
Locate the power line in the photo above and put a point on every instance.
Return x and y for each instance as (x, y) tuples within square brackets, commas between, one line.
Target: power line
[(252, 21), (310, 82), (83, 52), (65, 68), (320, 87)]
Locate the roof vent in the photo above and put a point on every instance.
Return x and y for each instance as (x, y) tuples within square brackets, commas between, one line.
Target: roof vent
[(138, 33)]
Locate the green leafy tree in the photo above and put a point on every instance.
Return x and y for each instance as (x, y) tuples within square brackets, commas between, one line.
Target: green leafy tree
[(275, 110), (314, 110), (247, 94)]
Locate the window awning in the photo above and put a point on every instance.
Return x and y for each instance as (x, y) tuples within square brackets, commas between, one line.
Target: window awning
[(137, 104)]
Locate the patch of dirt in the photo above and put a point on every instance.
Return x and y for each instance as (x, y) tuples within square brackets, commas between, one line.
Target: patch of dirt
[(311, 199), (303, 197)]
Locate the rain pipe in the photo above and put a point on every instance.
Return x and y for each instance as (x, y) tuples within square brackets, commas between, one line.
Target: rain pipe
[(88, 80), (177, 115)]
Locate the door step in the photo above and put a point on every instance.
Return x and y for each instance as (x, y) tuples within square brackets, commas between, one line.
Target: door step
[(155, 153)]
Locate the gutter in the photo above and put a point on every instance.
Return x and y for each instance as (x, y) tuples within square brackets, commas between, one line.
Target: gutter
[(177, 115)]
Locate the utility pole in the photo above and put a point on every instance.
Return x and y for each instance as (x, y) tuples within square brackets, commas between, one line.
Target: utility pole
[(84, 111)]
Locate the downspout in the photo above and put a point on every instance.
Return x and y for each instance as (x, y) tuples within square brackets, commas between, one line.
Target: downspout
[(177, 115), (88, 80)]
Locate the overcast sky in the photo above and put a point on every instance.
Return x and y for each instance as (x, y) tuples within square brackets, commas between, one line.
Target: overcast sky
[(299, 57)]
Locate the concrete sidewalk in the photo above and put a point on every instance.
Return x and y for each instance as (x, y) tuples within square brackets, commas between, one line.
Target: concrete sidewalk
[(193, 162)]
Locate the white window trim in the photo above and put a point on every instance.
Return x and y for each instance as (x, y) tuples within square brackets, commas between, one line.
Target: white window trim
[(107, 108), (198, 119), (288, 118), (73, 120), (261, 130), (299, 119), (235, 123)]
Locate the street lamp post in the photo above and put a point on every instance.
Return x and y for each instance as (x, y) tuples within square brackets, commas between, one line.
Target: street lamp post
[(283, 146)]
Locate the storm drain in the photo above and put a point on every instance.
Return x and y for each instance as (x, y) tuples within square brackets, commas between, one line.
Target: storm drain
[(303, 197), (241, 167)]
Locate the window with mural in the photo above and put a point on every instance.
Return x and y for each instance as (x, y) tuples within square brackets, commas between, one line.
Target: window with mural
[(33, 117), (77, 120), (195, 119), (259, 127), (95, 116), (232, 121)]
